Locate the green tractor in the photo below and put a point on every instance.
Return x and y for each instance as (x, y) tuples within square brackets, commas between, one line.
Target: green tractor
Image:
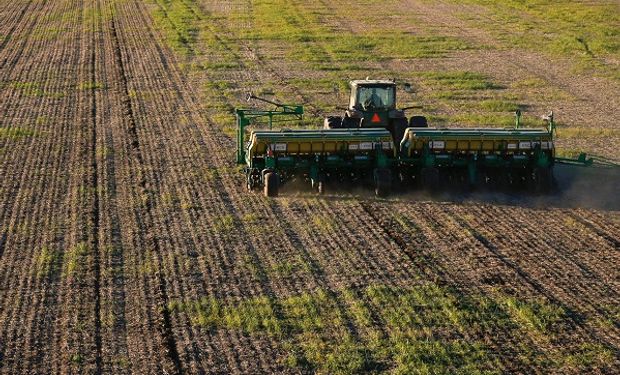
[(375, 144), (372, 104)]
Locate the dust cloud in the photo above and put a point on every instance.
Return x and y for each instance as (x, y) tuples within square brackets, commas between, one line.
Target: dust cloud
[(575, 187)]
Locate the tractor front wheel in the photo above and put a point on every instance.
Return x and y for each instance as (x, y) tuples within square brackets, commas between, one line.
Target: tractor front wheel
[(332, 122), (253, 179), (418, 122)]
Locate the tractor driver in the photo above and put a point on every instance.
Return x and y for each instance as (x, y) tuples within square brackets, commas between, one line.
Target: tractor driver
[(373, 101)]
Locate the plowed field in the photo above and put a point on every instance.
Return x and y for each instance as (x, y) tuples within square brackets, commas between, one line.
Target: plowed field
[(128, 243)]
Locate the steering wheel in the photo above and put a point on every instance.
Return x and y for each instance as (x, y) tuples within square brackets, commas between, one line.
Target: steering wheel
[(368, 104)]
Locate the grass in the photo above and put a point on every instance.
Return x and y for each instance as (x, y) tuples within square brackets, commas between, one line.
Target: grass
[(28, 88), (187, 204), (588, 355), (148, 266), (168, 200), (423, 329), (179, 24), (581, 132), (457, 80), (584, 31), (46, 262), (484, 119), (289, 268), (465, 90), (611, 318), (302, 30), (251, 218), (225, 223), (33, 89), (91, 86), (249, 316), (435, 357), (254, 267), (211, 174), (15, 133), (323, 224), (498, 105), (77, 358), (537, 316), (252, 224), (307, 37), (74, 260), (568, 153)]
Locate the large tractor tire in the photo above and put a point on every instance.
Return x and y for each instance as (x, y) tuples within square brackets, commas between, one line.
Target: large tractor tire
[(418, 122), (383, 181), (271, 184), (253, 179), (332, 122), (398, 127), (351, 122)]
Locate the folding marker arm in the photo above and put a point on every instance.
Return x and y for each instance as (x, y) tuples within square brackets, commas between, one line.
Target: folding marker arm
[(246, 115)]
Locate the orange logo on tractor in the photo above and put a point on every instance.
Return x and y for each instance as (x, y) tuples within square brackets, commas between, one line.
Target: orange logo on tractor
[(376, 118)]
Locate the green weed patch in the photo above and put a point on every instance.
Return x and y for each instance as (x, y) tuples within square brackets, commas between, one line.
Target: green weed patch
[(179, 24), (15, 133), (419, 329), (585, 31)]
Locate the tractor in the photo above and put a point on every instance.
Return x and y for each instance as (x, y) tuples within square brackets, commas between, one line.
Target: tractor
[(374, 143), (372, 104)]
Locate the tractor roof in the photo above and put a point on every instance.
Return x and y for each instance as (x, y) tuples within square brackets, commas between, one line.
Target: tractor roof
[(362, 82)]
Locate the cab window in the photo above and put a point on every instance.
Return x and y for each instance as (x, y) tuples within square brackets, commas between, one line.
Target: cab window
[(375, 97)]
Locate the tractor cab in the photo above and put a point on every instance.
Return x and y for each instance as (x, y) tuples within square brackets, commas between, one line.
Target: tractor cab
[(372, 104), (372, 96)]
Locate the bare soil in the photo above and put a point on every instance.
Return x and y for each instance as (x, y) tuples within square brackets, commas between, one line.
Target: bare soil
[(120, 196)]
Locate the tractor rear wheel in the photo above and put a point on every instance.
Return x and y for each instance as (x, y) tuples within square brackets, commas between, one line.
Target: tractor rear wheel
[(398, 130), (332, 122), (418, 122), (271, 182), (253, 178), (351, 122)]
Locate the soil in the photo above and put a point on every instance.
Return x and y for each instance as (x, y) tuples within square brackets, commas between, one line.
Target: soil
[(123, 196)]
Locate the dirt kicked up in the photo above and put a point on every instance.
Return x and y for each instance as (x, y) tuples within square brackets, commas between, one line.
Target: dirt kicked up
[(128, 243)]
